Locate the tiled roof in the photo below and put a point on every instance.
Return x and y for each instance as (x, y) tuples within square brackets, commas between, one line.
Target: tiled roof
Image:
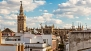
[(7, 30)]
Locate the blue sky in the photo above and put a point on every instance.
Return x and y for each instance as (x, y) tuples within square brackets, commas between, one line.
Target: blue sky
[(50, 5), (61, 13)]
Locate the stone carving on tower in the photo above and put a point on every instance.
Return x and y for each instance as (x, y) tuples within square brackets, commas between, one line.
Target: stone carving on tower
[(21, 20)]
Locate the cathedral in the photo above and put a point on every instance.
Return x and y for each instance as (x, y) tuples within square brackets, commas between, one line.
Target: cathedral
[(21, 26)]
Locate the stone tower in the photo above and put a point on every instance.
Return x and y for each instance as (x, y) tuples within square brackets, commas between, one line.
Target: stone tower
[(21, 20)]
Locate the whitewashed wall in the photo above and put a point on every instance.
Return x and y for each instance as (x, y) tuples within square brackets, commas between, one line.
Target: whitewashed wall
[(29, 38), (25, 39), (37, 39), (13, 42), (7, 48), (49, 37)]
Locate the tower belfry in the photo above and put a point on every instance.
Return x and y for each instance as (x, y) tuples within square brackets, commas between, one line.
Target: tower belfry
[(21, 20)]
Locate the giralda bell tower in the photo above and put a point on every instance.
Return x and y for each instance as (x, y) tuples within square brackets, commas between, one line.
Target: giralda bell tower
[(21, 20)]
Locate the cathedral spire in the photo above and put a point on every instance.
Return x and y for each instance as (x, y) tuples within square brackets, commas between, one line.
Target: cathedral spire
[(78, 25), (72, 25), (82, 27), (21, 9)]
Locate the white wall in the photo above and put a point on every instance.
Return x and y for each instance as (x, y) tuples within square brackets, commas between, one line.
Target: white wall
[(29, 38), (12, 42), (49, 37), (37, 39), (7, 48), (25, 39)]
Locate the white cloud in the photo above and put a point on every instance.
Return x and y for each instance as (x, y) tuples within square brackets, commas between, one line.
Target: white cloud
[(50, 3), (67, 26), (45, 18), (4, 11), (10, 17), (74, 8), (8, 20), (40, 10), (77, 17), (54, 21), (78, 22), (45, 11), (29, 5), (9, 8), (87, 18)]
